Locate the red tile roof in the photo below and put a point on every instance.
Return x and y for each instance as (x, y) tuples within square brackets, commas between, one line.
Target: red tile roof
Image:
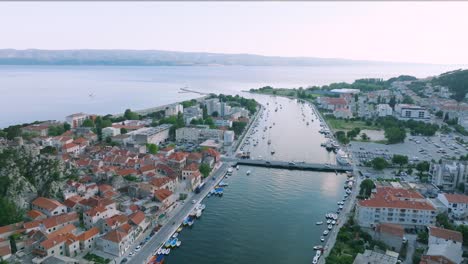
[(191, 167), (10, 228), (162, 194), (60, 219), (388, 197), (52, 242), (159, 182), (34, 214), (456, 198), (96, 210), (46, 204), (115, 236), (137, 217), (178, 156), (88, 234), (5, 250), (445, 234), (125, 172), (393, 229), (62, 231)]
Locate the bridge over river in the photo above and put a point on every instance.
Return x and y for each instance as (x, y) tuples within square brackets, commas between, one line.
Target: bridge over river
[(290, 165)]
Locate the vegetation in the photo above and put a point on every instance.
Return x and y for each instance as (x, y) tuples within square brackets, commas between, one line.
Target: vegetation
[(249, 104), (395, 135), (131, 178), (350, 241), (10, 213), (238, 127), (341, 137), (379, 163), (400, 159), (366, 188), (58, 130), (204, 169), (88, 123), (96, 259), (152, 148), (456, 81), (129, 115)]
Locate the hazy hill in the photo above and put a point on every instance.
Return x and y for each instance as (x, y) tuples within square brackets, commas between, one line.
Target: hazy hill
[(155, 58)]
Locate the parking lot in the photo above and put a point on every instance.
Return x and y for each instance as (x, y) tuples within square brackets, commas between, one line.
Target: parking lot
[(417, 148)]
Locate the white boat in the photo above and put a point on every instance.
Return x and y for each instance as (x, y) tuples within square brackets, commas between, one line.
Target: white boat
[(199, 213), (322, 238), (318, 247), (333, 222), (159, 252), (237, 167), (178, 243), (342, 158), (341, 207), (330, 227), (325, 232), (329, 221), (248, 172), (319, 223), (175, 235), (167, 251), (229, 171)]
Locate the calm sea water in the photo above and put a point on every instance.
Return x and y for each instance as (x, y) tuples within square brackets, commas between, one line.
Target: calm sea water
[(270, 215), (29, 93)]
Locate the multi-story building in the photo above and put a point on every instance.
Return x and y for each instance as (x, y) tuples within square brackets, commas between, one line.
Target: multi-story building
[(228, 138), (457, 204), (384, 110), (395, 205), (48, 206), (198, 134), (406, 112), (213, 105), (153, 135), (449, 174), (76, 120), (173, 110), (193, 112), (220, 122), (110, 132)]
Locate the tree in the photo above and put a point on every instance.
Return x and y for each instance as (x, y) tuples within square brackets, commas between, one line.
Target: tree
[(407, 100), (379, 163), (238, 127), (364, 137), (439, 114), (392, 102), (395, 134), (49, 150), (88, 123), (10, 213), (461, 187), (422, 167), (13, 131), (205, 112), (56, 130), (400, 159), (129, 115), (341, 137), (123, 130), (204, 169), (215, 114), (66, 126), (366, 188), (152, 148)]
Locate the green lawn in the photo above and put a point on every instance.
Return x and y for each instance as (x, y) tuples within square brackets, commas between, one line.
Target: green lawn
[(341, 124)]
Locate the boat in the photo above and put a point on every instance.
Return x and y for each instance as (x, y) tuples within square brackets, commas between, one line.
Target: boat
[(330, 227), (248, 172), (168, 250), (319, 223), (341, 207), (229, 171), (318, 247), (325, 232), (175, 235), (201, 207), (333, 222), (198, 213), (342, 158), (159, 259), (322, 239), (222, 184), (237, 167), (178, 243), (179, 229), (159, 252), (329, 221), (272, 152), (269, 142)]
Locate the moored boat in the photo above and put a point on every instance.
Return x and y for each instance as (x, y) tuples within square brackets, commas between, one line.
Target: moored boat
[(319, 223)]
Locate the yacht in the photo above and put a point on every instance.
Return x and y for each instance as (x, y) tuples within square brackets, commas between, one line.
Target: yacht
[(318, 247), (237, 167), (319, 223), (342, 158), (322, 239), (272, 152), (248, 172), (333, 222), (330, 227), (325, 232)]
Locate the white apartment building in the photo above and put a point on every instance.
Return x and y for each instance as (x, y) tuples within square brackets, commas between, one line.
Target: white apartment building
[(457, 204), (198, 134), (76, 120), (384, 110), (397, 206), (173, 110), (406, 112), (153, 135), (228, 137), (213, 105), (449, 174), (110, 132)]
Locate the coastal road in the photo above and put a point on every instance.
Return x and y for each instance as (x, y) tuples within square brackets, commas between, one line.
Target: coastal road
[(167, 230)]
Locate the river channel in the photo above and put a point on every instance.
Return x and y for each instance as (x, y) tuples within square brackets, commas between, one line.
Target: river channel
[(270, 215)]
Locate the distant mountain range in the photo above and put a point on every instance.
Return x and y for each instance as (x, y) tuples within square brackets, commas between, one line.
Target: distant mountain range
[(157, 58)]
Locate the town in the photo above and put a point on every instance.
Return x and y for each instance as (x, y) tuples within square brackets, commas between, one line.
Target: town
[(100, 187)]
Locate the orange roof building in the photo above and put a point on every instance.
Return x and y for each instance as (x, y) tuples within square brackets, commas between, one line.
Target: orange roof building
[(397, 206)]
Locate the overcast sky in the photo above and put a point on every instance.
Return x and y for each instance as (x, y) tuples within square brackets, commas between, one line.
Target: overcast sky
[(433, 32)]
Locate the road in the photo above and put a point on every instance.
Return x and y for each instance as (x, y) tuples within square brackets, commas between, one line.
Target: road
[(167, 230), (290, 165)]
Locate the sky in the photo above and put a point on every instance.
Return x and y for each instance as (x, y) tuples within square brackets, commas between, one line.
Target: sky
[(427, 32)]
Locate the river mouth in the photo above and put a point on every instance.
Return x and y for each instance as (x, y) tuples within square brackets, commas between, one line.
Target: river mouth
[(270, 215)]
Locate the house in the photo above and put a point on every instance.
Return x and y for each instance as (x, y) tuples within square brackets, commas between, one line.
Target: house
[(439, 235), (396, 206), (445, 246), (384, 110), (151, 135), (392, 235), (93, 215), (373, 257), (163, 183), (191, 113), (71, 148), (138, 219), (457, 204), (194, 157), (220, 122), (192, 173), (5, 249), (48, 206), (8, 230), (177, 161), (35, 215), (110, 132), (167, 151), (165, 197), (342, 113), (88, 238), (54, 223), (332, 103), (38, 129), (116, 242), (113, 222), (212, 153)]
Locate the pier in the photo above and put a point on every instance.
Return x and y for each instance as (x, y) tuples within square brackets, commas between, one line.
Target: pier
[(290, 165)]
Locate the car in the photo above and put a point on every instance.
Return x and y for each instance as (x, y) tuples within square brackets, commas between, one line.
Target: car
[(138, 248), (131, 254), (194, 201), (124, 260), (292, 163), (267, 162)]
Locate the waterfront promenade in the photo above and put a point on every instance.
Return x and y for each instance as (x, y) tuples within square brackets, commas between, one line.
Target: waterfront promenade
[(290, 165), (167, 230)]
